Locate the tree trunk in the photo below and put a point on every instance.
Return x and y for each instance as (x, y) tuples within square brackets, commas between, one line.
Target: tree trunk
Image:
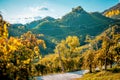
[(15, 64), (110, 64), (111, 61), (15, 75), (106, 58), (38, 72), (62, 67), (90, 68), (106, 64)]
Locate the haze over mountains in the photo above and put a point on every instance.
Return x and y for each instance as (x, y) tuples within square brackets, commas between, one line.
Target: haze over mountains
[(24, 20), (77, 22)]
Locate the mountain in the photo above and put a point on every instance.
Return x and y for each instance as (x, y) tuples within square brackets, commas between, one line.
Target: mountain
[(78, 22), (17, 29), (36, 22), (113, 12)]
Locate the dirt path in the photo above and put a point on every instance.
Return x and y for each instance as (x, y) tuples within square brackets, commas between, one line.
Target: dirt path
[(64, 76)]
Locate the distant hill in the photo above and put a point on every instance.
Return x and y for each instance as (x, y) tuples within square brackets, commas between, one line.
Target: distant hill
[(113, 12), (78, 22), (35, 23)]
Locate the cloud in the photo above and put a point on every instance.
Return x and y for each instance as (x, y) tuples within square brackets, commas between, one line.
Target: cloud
[(24, 20), (37, 18), (44, 9), (38, 9)]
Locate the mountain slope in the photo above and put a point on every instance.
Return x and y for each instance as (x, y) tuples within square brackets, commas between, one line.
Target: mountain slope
[(113, 12), (35, 23)]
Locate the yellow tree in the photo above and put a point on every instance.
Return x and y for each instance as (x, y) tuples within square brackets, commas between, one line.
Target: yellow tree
[(88, 59), (3, 46), (72, 43), (67, 48), (61, 49), (115, 48), (106, 54), (16, 53), (3, 28), (31, 43)]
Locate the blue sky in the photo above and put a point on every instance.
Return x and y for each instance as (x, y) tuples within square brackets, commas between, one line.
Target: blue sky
[(27, 10)]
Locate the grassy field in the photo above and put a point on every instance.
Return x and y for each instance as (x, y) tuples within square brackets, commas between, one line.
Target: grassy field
[(111, 74)]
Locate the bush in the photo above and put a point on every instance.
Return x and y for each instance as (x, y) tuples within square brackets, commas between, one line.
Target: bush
[(116, 70)]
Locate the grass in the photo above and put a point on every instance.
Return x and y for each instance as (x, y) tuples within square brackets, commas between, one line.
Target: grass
[(111, 74)]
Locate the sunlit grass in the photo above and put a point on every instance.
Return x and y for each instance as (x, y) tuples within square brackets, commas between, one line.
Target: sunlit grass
[(103, 75)]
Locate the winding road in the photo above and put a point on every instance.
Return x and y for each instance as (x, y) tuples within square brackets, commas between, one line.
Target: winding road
[(63, 76)]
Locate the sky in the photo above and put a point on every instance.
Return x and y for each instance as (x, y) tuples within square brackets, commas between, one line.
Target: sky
[(22, 11)]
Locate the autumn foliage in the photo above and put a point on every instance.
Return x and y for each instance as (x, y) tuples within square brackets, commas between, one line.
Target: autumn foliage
[(18, 55)]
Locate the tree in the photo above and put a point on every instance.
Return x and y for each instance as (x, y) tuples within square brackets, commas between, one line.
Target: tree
[(67, 49), (107, 54), (72, 42), (61, 49), (105, 49), (88, 59), (18, 55), (3, 28), (31, 43)]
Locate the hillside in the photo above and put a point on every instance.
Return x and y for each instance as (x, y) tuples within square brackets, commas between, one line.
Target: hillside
[(77, 22), (113, 12)]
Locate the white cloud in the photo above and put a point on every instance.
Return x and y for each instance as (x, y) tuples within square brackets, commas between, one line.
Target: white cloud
[(24, 20), (44, 9), (38, 9)]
